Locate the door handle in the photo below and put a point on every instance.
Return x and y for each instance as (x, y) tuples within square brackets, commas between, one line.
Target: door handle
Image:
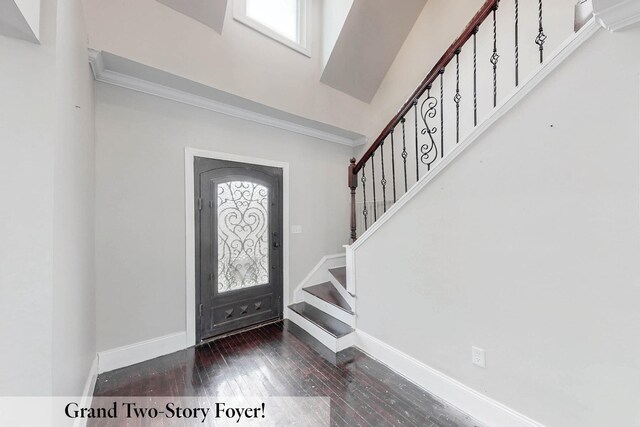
[(276, 245)]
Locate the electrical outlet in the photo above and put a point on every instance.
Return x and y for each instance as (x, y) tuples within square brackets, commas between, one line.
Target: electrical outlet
[(296, 229), (478, 357)]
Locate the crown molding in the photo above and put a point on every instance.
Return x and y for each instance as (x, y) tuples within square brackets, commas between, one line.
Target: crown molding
[(142, 78), (615, 15)]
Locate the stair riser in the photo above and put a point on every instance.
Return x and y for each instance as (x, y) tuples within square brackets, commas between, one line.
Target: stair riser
[(330, 309), (346, 342), (318, 333)]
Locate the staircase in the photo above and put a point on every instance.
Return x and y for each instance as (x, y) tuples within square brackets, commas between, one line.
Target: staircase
[(423, 138), (324, 307)]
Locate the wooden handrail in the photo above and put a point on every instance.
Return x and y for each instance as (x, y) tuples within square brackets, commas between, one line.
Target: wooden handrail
[(471, 27)]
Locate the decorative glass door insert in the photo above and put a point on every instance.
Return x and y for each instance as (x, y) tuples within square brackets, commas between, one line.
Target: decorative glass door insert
[(243, 235), (238, 245)]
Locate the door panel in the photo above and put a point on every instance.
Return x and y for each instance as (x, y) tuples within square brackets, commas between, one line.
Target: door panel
[(238, 252)]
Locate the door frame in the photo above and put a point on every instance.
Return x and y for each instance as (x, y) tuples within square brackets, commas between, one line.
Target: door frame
[(190, 250)]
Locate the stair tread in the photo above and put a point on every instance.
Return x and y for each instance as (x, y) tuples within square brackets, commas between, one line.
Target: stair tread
[(328, 293), (340, 273), (321, 319)]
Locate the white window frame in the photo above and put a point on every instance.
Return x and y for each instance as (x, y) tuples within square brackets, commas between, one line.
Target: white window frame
[(240, 15)]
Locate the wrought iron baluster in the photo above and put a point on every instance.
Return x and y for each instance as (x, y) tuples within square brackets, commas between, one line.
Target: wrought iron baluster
[(457, 98), (404, 152), (475, 76), (495, 57), (415, 111), (442, 113), (383, 181), (365, 212), (373, 185), (428, 111), (393, 165), (516, 46), (541, 38)]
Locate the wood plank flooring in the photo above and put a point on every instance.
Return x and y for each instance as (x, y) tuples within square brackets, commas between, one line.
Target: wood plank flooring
[(273, 361)]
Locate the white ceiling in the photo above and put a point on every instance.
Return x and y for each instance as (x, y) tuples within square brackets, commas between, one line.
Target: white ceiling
[(20, 19), (369, 41), (209, 12)]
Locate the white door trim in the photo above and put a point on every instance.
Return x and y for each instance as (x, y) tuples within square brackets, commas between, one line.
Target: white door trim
[(190, 250)]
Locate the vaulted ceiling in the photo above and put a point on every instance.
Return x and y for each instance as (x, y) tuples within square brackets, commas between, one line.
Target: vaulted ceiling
[(368, 42), (209, 12), (20, 19), (360, 38)]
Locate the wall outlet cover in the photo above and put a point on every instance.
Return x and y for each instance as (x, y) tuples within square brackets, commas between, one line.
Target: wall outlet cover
[(478, 357)]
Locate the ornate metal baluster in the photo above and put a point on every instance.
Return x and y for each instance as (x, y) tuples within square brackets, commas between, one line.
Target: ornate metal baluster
[(415, 111), (457, 98), (404, 152), (373, 185), (393, 165), (516, 45), (383, 181), (442, 113), (495, 57), (541, 38), (365, 212), (475, 77), (428, 111)]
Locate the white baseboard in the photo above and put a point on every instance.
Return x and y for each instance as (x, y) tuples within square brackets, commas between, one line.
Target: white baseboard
[(139, 352), (87, 393), (477, 405)]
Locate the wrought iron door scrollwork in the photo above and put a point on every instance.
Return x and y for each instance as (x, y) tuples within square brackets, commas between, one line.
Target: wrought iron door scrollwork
[(243, 235)]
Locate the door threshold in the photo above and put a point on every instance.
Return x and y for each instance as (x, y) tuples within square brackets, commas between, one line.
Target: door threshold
[(239, 331)]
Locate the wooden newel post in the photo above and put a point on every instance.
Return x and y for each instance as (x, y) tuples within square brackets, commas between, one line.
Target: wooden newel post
[(353, 184)]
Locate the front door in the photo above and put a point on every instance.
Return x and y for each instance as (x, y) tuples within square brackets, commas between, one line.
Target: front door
[(238, 245)]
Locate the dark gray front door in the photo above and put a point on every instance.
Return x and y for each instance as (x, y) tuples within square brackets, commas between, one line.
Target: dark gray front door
[(238, 245)]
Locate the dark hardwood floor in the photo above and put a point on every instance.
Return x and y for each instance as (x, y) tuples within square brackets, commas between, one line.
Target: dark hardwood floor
[(281, 360)]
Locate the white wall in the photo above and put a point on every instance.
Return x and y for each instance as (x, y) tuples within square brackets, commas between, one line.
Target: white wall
[(27, 83), (46, 221), (241, 61), (527, 245), (140, 211), (74, 326)]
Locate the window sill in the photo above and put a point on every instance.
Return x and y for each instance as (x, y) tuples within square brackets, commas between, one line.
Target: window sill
[(266, 31)]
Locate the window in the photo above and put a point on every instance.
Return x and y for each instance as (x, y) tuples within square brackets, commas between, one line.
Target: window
[(282, 20)]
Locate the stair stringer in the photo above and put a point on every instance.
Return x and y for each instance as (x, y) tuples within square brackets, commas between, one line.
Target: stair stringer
[(320, 274)]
